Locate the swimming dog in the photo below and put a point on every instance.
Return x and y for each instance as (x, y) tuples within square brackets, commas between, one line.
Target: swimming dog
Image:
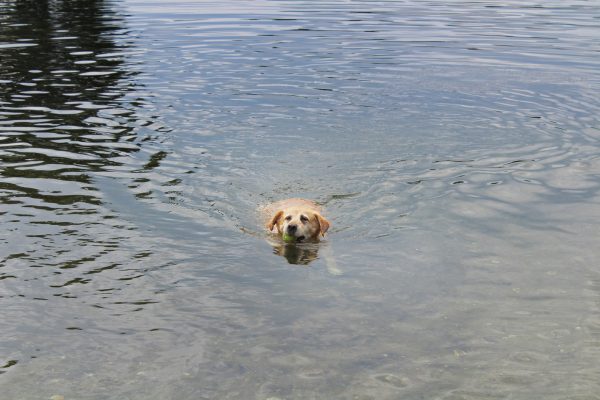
[(299, 219)]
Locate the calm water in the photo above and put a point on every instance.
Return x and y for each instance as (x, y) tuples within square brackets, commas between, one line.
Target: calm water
[(454, 144)]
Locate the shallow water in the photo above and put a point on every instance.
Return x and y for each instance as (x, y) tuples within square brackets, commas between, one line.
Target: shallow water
[(455, 148)]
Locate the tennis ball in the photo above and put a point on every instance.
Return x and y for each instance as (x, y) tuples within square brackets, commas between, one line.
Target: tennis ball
[(288, 238)]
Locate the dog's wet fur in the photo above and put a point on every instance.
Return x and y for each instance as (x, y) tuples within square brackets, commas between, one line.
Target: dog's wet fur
[(298, 218)]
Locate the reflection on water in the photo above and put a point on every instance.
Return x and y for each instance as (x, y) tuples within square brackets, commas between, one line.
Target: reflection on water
[(297, 253), (454, 146)]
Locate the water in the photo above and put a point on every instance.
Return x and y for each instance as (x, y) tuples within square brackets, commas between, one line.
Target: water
[(453, 144)]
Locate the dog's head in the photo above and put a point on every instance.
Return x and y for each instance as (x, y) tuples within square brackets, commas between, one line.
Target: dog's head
[(299, 222)]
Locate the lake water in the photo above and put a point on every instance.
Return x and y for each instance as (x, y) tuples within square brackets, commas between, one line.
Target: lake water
[(455, 146)]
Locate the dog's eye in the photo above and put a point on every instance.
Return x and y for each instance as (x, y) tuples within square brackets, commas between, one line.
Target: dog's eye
[(288, 218), (304, 219)]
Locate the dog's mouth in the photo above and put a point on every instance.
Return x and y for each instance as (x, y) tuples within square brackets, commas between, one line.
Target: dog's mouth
[(300, 238)]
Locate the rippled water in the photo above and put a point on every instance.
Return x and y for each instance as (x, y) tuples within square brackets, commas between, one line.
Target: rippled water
[(454, 145)]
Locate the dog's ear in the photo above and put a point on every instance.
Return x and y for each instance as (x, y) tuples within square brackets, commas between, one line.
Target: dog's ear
[(323, 224), (274, 221)]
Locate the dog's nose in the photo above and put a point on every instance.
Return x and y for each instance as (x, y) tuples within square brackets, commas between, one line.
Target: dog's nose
[(292, 228)]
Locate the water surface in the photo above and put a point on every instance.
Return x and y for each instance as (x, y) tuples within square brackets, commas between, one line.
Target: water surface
[(455, 148)]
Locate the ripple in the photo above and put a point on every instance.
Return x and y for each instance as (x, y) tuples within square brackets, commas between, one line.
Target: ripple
[(55, 154), (16, 45)]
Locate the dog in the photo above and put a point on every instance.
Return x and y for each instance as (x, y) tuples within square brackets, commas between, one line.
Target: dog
[(303, 220), (298, 218)]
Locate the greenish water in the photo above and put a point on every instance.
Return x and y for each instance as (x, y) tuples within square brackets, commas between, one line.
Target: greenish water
[(454, 145)]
